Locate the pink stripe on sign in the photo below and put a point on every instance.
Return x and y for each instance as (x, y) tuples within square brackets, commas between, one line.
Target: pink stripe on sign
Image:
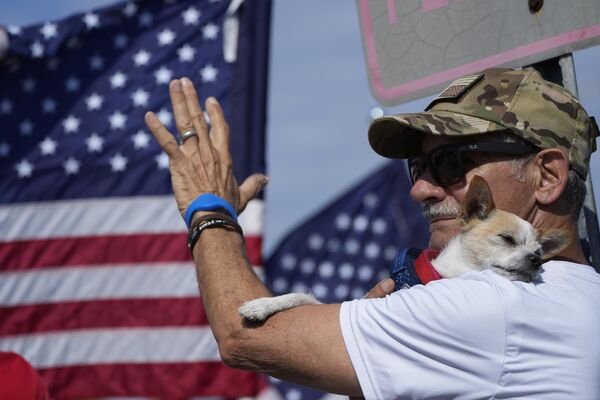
[(429, 5), (392, 14), (389, 93)]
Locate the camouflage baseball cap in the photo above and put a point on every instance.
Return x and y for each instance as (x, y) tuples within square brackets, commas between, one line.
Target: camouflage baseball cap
[(495, 100)]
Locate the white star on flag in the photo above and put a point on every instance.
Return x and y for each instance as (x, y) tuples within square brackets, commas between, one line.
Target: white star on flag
[(94, 101), (49, 106), (191, 16), (146, 19), (48, 30), (352, 246), (117, 80), (48, 147), (71, 124), (186, 53), (165, 37), (4, 149), (26, 127), (24, 169), (14, 30), (315, 241), (140, 97), (118, 163), (372, 250), (210, 31), (130, 9), (379, 226), (37, 50), (365, 273), (72, 84), (360, 223), (117, 120), (370, 200), (29, 85), (71, 166), (121, 41), (209, 73), (165, 116), (140, 140), (91, 20), (141, 58), (162, 160), (94, 143), (163, 75), (6, 106), (343, 221), (96, 62)]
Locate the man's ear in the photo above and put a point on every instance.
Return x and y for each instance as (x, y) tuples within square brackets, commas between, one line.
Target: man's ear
[(552, 175), (478, 202), (554, 241)]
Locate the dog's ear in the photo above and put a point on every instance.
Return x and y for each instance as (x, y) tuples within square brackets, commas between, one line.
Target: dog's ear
[(554, 241), (478, 202)]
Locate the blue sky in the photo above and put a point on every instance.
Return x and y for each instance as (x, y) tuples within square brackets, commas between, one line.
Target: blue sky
[(319, 101)]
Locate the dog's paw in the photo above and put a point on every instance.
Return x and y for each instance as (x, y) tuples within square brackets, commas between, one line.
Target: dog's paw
[(257, 310), (260, 309)]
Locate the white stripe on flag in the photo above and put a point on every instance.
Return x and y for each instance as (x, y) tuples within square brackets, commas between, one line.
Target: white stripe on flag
[(139, 345), (134, 281), (94, 283), (110, 216)]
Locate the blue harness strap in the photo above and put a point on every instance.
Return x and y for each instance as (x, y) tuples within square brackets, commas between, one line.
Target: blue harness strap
[(414, 267), (403, 269)]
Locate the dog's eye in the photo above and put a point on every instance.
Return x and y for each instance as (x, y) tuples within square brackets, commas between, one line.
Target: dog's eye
[(508, 239)]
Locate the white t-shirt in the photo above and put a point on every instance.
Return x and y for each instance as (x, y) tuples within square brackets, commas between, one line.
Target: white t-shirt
[(481, 336)]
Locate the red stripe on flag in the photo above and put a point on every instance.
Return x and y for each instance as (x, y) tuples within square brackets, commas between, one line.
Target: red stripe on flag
[(96, 250), (168, 381), (102, 314)]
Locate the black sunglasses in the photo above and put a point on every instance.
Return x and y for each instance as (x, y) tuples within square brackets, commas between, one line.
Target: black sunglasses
[(448, 165)]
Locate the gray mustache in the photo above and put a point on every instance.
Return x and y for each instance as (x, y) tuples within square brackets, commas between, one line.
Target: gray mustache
[(434, 211)]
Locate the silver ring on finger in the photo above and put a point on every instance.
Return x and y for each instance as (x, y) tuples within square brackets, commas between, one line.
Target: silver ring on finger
[(188, 134)]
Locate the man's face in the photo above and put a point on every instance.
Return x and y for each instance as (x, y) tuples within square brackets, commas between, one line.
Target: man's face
[(443, 204)]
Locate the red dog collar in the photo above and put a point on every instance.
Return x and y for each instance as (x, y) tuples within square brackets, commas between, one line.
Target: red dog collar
[(423, 267)]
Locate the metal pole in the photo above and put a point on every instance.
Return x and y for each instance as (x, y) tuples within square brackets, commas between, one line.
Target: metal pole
[(588, 219), (561, 70)]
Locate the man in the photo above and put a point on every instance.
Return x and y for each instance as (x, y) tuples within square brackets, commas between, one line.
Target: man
[(476, 336)]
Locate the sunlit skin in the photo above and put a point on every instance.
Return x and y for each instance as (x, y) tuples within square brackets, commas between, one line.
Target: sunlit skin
[(510, 194)]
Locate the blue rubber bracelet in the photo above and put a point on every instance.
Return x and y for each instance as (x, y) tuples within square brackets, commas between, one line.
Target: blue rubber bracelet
[(208, 202)]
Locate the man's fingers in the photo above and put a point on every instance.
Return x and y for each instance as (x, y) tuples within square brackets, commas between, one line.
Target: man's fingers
[(382, 289), (250, 188), (164, 138), (219, 132), (183, 120), (196, 113)]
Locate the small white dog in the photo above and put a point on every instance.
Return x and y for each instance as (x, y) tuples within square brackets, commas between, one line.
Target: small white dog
[(489, 239)]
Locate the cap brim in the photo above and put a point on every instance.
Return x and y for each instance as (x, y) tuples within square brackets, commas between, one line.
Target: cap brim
[(400, 136)]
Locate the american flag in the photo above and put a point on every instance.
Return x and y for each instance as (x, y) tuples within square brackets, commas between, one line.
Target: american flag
[(97, 288), (346, 248)]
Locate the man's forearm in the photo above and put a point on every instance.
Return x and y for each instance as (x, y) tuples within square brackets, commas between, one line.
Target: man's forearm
[(226, 280)]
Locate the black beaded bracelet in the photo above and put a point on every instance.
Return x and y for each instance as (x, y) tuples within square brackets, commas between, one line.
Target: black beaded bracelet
[(211, 221)]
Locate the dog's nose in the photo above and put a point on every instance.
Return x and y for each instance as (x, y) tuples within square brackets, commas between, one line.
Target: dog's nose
[(535, 260)]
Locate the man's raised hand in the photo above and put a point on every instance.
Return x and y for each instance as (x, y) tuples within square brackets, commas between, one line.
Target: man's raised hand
[(202, 163)]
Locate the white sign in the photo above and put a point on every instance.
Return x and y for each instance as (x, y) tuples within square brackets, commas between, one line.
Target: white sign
[(415, 47)]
